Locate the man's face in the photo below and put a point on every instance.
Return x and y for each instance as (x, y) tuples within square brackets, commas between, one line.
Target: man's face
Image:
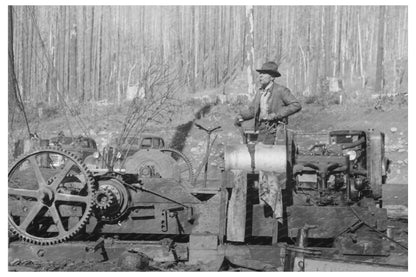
[(265, 79)]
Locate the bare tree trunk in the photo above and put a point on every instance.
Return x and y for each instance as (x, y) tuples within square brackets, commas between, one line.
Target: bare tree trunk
[(66, 72), (230, 41), (52, 67), (196, 41), (380, 52), (244, 42), (308, 53), (249, 42), (327, 40), (73, 51), (32, 83), (11, 81), (305, 72), (29, 92), (360, 53), (269, 31), (84, 56), (100, 57), (88, 58), (25, 46), (405, 35), (334, 45), (109, 87), (92, 71), (215, 53), (318, 40), (162, 51), (37, 82), (203, 74), (339, 56), (118, 54)]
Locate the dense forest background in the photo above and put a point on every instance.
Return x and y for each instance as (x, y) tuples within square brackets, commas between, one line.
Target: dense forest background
[(93, 53)]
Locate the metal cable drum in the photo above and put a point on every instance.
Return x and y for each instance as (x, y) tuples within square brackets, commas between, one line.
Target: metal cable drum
[(266, 157)]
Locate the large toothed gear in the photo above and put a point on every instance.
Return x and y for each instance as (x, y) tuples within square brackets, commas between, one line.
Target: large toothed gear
[(49, 204)]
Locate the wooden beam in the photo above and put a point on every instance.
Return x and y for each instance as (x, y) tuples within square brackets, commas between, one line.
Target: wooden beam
[(237, 207), (223, 208)]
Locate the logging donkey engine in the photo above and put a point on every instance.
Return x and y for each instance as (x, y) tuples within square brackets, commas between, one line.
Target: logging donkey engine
[(272, 206)]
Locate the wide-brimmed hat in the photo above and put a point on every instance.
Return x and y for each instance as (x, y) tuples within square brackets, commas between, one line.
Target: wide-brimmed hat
[(269, 68)]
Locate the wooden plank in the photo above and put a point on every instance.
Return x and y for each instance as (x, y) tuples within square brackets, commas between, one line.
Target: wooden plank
[(223, 208), (237, 207), (396, 211), (275, 231), (375, 158)]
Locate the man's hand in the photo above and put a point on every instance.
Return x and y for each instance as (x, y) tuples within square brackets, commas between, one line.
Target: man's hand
[(271, 116), (238, 120)]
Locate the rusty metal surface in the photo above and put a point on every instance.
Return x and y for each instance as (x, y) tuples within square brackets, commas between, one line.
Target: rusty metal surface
[(207, 216), (330, 220), (165, 187), (78, 250), (325, 265), (161, 219), (150, 214), (259, 255)]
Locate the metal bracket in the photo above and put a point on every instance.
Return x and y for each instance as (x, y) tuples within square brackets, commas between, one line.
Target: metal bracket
[(164, 221), (99, 245)]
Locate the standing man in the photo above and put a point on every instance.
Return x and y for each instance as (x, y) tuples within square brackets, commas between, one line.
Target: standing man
[(272, 104)]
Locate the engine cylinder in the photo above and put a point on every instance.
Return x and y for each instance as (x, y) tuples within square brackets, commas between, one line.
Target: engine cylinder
[(266, 157)]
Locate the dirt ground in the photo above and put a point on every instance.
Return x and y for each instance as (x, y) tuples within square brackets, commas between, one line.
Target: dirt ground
[(392, 119)]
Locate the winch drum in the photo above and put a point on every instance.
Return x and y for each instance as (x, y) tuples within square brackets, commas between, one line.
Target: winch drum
[(266, 157)]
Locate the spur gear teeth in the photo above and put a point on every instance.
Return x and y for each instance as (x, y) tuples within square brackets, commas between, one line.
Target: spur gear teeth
[(89, 184), (99, 197)]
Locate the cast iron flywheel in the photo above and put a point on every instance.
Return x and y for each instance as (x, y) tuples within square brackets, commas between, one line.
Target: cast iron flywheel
[(184, 166), (160, 163)]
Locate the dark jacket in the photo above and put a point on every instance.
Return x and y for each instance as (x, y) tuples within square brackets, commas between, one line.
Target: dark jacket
[(282, 104)]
